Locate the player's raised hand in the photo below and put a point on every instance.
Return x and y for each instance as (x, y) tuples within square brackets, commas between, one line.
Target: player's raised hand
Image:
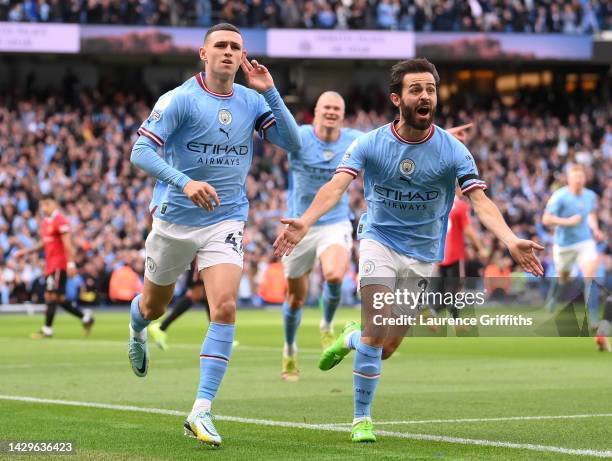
[(202, 194), (523, 252), (460, 132), (257, 76), (290, 236)]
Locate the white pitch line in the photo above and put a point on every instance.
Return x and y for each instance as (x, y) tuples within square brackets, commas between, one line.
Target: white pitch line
[(483, 420), (325, 427)]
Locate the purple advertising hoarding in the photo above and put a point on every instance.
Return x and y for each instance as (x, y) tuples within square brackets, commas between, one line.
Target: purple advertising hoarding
[(19, 37)]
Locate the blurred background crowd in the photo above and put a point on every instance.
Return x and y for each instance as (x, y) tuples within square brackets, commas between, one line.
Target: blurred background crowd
[(77, 144), (540, 16)]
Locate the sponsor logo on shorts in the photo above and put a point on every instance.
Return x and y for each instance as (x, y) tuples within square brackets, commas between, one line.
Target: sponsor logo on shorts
[(367, 268), (151, 265)]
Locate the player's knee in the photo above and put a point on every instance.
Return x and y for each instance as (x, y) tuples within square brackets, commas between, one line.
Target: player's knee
[(295, 301), (225, 312), (333, 276)]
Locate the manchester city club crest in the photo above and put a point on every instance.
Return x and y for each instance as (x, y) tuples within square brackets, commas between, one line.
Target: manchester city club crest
[(151, 266), (406, 167), (327, 155), (367, 268), (225, 117)]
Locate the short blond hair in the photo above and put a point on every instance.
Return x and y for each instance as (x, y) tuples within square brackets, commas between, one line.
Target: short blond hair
[(576, 167)]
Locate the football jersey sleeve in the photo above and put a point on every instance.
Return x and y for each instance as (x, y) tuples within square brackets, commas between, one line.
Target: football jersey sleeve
[(554, 204), (354, 159), (275, 123), (61, 224), (166, 116), (465, 168)]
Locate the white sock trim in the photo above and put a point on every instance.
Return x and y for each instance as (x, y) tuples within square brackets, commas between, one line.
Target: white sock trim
[(140, 336), (347, 340), (201, 405), (290, 350), (361, 418), (326, 326)]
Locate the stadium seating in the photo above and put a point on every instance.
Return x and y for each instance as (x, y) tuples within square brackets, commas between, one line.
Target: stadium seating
[(81, 153), (587, 16)]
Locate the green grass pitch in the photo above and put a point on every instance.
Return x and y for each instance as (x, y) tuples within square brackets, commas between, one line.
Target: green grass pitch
[(435, 395)]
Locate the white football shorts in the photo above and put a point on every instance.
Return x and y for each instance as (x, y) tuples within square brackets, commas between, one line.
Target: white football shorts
[(171, 248)]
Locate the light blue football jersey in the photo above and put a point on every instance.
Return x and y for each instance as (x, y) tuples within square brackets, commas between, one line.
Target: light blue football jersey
[(313, 166), (564, 204), (207, 137), (159, 192), (410, 188)]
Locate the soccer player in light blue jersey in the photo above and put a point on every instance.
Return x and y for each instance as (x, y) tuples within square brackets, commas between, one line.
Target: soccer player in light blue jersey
[(205, 127), (410, 167), (330, 238), (572, 210)]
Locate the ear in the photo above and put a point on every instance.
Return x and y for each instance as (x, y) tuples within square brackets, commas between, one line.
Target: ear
[(395, 99), (244, 55)]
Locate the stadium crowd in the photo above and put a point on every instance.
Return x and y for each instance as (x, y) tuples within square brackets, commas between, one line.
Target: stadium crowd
[(77, 146), (553, 16)]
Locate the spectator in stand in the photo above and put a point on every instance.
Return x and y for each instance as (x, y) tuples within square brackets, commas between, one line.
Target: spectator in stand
[(578, 16), (79, 154)]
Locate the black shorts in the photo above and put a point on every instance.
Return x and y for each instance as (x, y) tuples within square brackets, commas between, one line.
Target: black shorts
[(193, 275), (449, 278), (56, 282)]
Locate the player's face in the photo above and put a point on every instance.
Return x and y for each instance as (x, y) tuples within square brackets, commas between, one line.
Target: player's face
[(418, 100), (576, 179), (329, 111), (47, 207), (222, 52)]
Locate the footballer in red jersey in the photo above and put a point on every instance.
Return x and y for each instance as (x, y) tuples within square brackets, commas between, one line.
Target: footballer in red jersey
[(59, 258)]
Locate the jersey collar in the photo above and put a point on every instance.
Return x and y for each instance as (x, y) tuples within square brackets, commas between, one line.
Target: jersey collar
[(54, 213), (404, 141), (200, 79)]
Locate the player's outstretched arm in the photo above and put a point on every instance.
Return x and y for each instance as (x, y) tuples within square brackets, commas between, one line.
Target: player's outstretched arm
[(283, 130), (522, 251), (327, 197), (470, 233)]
